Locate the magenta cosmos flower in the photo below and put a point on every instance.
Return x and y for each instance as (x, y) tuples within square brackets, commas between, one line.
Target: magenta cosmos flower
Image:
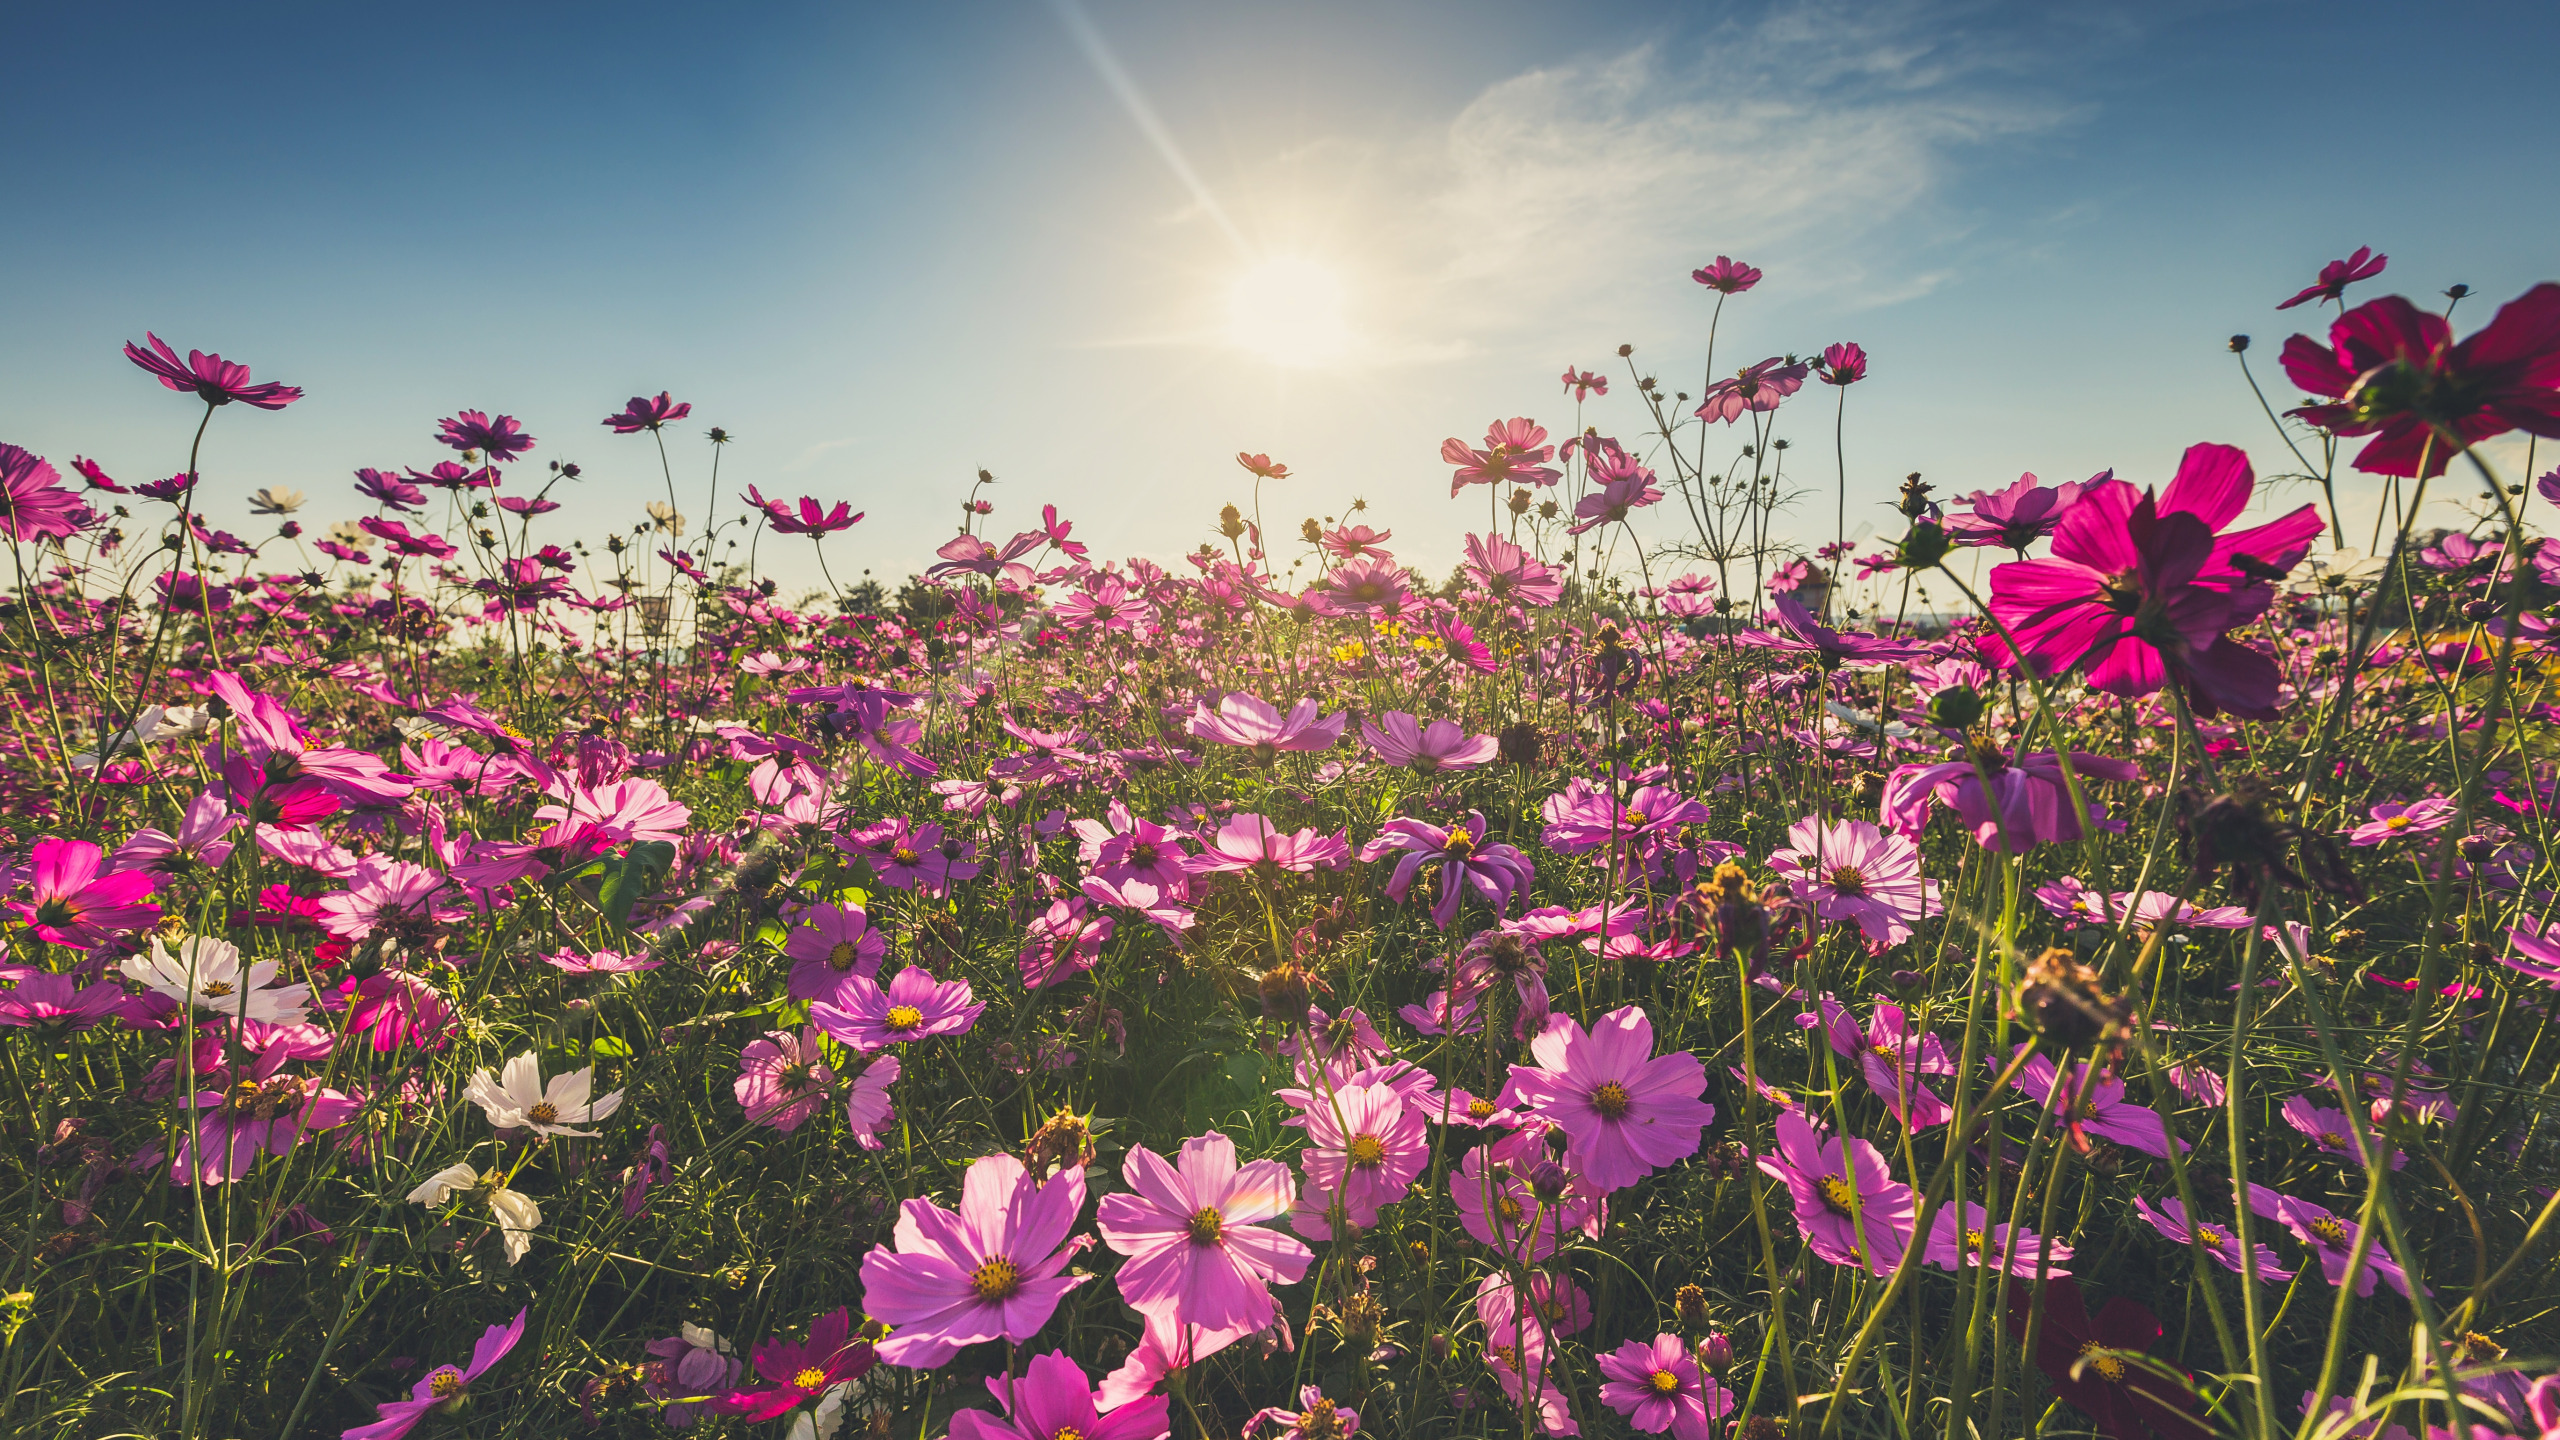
[(1252, 842), (1626, 1112), (1255, 724), (2140, 588), (989, 1270), (73, 904), (798, 1374), (912, 1006), (2337, 275), (1969, 1240), (867, 1110), (1199, 1249), (2028, 804), (2019, 516), (644, 413), (783, 1079), (2393, 371), (1515, 452), (2095, 1107), (811, 518), (1494, 872), (499, 440), (1316, 1418), (1055, 1398), (1615, 500), (2333, 1238), (2390, 821), (444, 1385), (1842, 364), (210, 378), (33, 504), (1727, 276), (1508, 572), (1499, 1208), (1851, 870), (1658, 1386), (2222, 1242), (1400, 739), (1828, 1181), (1753, 389), (40, 1000), (1800, 633), (1365, 1146), (2538, 953), (263, 1110)]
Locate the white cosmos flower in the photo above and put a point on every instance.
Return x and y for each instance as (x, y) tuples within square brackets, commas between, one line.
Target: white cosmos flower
[(516, 1098), (516, 1213), (275, 500), (206, 973), (155, 723)]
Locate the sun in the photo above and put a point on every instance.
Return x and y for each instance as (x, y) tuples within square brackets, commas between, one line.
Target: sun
[(1289, 311)]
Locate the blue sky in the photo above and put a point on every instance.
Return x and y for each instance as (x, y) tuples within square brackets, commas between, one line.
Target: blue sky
[(885, 246)]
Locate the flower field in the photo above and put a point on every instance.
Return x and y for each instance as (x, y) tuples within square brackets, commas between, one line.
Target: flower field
[(2080, 968)]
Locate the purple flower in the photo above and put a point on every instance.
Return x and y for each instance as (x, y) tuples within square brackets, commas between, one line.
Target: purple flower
[(1800, 633), (783, 1079), (914, 1006), (2095, 1107), (1508, 572), (1755, 388), (210, 377), (1842, 364), (444, 1385), (1055, 1398), (498, 440), (33, 504), (2332, 1237), (2391, 821), (829, 945), (1727, 276), (1253, 723), (261, 1110), (1853, 871), (1494, 872), (1828, 1180), (386, 488), (690, 1368), (1659, 1387), (644, 413), (1625, 1111), (40, 999), (2222, 1242), (987, 1271), (2337, 275), (1400, 739), (1252, 842), (2019, 516), (2028, 803), (1970, 1240)]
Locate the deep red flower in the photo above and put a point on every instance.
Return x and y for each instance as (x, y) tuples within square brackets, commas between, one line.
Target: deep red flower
[(2393, 371), (2087, 1360), (1727, 276), (799, 1374), (216, 380), (2337, 275), (644, 413)]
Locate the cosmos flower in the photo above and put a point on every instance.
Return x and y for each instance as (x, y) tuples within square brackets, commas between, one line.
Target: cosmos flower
[(262, 1111), (1625, 1111), (811, 518), (1851, 870), (2096, 1106), (42, 1000), (1499, 1208), (497, 440), (1055, 1398), (1515, 452), (2018, 516), (2393, 371), (1726, 276), (33, 504), (2222, 1242), (2337, 275), (206, 973), (1753, 389), (444, 1385), (76, 901), (210, 378), (1494, 873), (1960, 1242), (1252, 842), (1365, 1147), (2391, 820), (913, 1006), (2086, 1360), (1800, 633), (1507, 572), (1842, 364), (1658, 1386), (1614, 501), (2028, 802), (685, 1369), (1250, 722), (867, 1110), (1316, 1418), (1583, 384), (1828, 1179), (517, 1216), (1197, 1237), (796, 1374), (988, 1271), (644, 413), (829, 945), (783, 1078), (1399, 739), (517, 1099)]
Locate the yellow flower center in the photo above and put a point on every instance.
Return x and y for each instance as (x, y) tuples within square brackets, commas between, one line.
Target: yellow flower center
[(1835, 1194), (1480, 1109), (2211, 1236), (1612, 1100), (2105, 1361), (1508, 1209), (1635, 819), (217, 988), (1367, 1150), (903, 1017), (1066, 1432), (2396, 822), (809, 1377), (903, 855), (1665, 1383), (1979, 1242), (544, 1113), (843, 954), (1848, 880), (1460, 845), (444, 1382), (1207, 1225), (2331, 1229), (995, 1280)]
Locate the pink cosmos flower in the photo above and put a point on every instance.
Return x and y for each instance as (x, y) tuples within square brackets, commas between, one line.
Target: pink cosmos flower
[(33, 504), (2392, 820), (692, 1363), (410, 903), (2395, 372), (200, 843), (1364, 1149), (41, 1000), (2140, 588), (810, 518), (74, 903), (1494, 873), (1853, 871), (2101, 1109), (1971, 1241), (1827, 1179), (1614, 501), (828, 945), (1583, 384), (1359, 586), (2337, 275), (1508, 572), (1062, 941), (1355, 542), (2538, 953), (2222, 1242), (2071, 899), (1122, 849), (262, 1110), (1798, 632), (913, 1006), (1198, 1247), (2332, 1131), (383, 487), (623, 810), (798, 1374), (444, 1385), (1316, 1418), (1726, 276), (644, 413), (2332, 1237), (1055, 1398), (498, 440), (1522, 1357), (2018, 516), (2028, 803), (1625, 1111), (1842, 364), (1252, 842), (987, 1271), (1752, 389), (1892, 1055), (210, 378), (1515, 452), (1500, 1209), (783, 1079), (1246, 720), (867, 1110), (1658, 1386), (1399, 739), (267, 753)]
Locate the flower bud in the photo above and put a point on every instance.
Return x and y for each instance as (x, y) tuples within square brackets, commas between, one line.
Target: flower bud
[(2239, 344), (1925, 546), (1716, 1352), (1957, 707), (1689, 1302)]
